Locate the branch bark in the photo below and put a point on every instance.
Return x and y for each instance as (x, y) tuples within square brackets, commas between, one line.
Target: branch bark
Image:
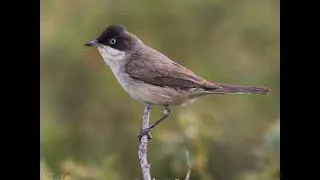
[(189, 166), (143, 143)]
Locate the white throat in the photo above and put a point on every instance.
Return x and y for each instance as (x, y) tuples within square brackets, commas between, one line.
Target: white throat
[(112, 57), (116, 61)]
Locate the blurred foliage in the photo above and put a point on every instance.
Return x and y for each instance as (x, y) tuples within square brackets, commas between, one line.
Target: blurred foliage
[(89, 125)]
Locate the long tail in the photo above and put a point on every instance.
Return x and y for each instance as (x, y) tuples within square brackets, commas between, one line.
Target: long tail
[(236, 89)]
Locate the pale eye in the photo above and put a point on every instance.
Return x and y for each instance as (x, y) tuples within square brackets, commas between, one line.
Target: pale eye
[(112, 41)]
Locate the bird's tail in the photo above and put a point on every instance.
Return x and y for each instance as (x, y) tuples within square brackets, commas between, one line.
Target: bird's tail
[(236, 89)]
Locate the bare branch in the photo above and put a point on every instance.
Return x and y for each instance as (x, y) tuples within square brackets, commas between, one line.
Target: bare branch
[(142, 152), (189, 166), (143, 143)]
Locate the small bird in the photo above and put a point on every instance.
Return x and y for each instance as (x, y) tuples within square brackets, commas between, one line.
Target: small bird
[(152, 78)]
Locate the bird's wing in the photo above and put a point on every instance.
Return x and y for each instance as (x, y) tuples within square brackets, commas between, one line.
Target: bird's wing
[(154, 68)]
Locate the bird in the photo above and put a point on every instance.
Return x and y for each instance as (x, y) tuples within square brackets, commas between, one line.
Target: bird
[(152, 78)]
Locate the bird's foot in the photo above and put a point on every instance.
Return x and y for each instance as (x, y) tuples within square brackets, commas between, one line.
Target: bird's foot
[(145, 132)]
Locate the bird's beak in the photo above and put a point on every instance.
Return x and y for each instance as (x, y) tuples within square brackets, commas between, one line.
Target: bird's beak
[(91, 43)]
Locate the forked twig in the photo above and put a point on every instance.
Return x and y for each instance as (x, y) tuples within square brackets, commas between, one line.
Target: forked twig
[(189, 166), (143, 143)]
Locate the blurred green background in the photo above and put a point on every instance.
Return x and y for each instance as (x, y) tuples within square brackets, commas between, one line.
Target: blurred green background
[(89, 125)]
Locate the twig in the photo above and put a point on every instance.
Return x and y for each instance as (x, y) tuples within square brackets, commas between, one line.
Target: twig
[(142, 152), (189, 166)]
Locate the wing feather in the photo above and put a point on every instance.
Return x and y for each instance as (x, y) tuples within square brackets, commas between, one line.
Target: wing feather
[(154, 68)]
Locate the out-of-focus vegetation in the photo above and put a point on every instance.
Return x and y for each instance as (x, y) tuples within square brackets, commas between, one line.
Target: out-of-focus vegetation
[(89, 125)]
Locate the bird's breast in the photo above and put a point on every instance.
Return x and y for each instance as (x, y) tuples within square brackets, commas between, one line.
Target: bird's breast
[(147, 93), (141, 91)]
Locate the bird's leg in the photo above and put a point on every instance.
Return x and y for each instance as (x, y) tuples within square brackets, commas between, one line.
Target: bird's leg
[(165, 114)]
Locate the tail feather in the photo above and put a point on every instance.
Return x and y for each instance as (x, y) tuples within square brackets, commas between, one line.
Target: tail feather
[(236, 89)]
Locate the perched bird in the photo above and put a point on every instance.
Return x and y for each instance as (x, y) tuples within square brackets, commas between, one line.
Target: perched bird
[(151, 77)]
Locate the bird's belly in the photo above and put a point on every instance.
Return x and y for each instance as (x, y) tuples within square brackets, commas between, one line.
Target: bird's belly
[(152, 94)]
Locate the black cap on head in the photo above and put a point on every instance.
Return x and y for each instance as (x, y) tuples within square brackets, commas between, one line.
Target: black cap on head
[(111, 31), (114, 36)]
